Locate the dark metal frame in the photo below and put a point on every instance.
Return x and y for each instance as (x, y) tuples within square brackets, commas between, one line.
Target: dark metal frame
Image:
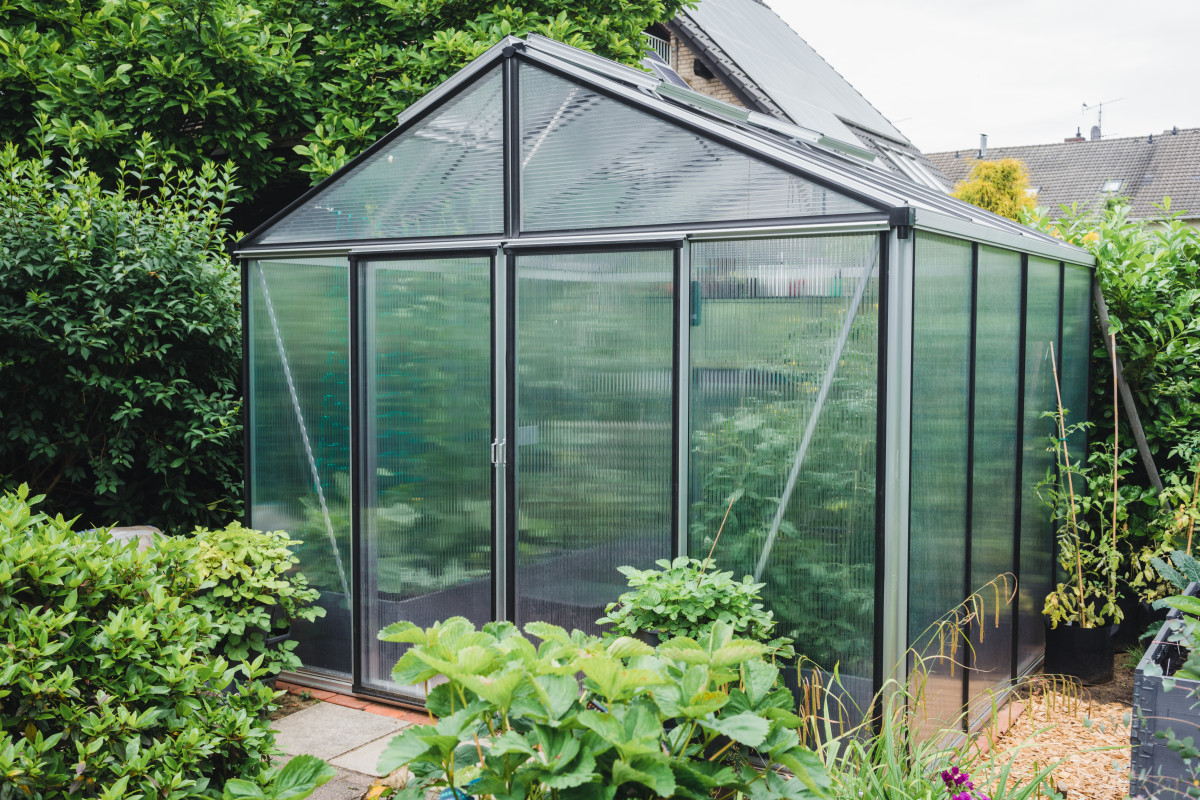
[(513, 348), (403, 126), (514, 58), (882, 391), (1018, 490), (969, 522), (713, 135), (247, 405), (359, 295)]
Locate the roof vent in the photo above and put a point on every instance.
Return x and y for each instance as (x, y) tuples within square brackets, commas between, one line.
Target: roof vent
[(1078, 137), (982, 145)]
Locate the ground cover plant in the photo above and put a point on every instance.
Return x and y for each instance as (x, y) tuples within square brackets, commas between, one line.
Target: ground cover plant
[(120, 355), (686, 597), (251, 592), (107, 687), (576, 717)]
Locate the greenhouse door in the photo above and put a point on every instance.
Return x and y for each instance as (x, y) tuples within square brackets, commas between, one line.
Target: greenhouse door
[(590, 417), (427, 512)]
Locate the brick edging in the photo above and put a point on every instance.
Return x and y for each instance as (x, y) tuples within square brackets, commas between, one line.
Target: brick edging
[(357, 703)]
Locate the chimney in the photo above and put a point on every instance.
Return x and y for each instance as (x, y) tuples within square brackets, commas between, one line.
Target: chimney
[(1095, 133), (1078, 137), (982, 145)]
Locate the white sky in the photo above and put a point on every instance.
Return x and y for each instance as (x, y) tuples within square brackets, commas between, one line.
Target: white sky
[(945, 71)]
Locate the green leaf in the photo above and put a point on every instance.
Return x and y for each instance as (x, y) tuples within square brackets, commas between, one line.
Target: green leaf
[(654, 773), (745, 728), (301, 776)]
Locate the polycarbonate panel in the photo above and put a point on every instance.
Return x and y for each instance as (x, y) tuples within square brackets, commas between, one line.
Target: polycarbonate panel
[(588, 161), (594, 434), (770, 317), (994, 469), (441, 177), (1077, 346), (427, 525), (938, 501), (299, 402), (1037, 530)]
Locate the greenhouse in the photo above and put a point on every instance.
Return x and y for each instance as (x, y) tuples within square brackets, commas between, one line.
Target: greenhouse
[(565, 312)]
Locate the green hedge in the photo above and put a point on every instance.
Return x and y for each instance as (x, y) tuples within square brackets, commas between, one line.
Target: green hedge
[(120, 343)]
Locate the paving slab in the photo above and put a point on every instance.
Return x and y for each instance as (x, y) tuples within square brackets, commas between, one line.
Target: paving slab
[(366, 758), (347, 785), (326, 730)]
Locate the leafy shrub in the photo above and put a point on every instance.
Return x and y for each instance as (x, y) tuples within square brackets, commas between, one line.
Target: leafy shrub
[(120, 345), (106, 689), (686, 597), (1150, 278), (296, 780), (251, 592), (516, 720)]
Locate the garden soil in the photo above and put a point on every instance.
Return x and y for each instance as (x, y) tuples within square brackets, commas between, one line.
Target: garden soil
[(1086, 727)]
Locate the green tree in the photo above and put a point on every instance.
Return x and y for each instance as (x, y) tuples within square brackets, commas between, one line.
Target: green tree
[(1001, 187), (279, 87), (120, 346)]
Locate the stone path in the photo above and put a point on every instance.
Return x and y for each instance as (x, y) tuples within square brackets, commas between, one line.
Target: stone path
[(348, 733)]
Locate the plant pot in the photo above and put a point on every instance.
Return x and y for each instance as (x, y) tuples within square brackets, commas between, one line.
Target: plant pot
[(1162, 703), (1083, 653)]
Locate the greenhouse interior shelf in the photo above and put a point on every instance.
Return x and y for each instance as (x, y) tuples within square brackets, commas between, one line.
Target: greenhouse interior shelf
[(555, 319)]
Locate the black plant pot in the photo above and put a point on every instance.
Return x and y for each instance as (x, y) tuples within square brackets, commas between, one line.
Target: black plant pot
[(1083, 653)]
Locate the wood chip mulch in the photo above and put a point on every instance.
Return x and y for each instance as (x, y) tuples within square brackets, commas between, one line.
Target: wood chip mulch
[(1087, 727)]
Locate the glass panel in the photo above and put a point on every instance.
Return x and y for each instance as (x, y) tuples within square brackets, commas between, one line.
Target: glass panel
[(427, 539), (994, 467), (593, 445), (591, 162), (1077, 346), (441, 177), (1037, 532), (300, 412), (938, 501), (771, 317)]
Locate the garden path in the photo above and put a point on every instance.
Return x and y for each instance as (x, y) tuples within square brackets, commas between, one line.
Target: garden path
[(348, 733)]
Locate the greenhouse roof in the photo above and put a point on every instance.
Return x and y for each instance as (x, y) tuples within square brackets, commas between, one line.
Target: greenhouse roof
[(842, 169)]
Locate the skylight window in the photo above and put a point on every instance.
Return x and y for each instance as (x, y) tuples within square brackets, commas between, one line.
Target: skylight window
[(1111, 186), (1032, 191)]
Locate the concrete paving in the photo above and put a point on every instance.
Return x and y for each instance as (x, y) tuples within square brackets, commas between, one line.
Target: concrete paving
[(351, 740)]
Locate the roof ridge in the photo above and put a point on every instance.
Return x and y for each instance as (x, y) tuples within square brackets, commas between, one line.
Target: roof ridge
[(1142, 138)]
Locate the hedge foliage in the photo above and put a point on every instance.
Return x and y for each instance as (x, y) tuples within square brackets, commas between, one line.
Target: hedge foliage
[(120, 342), (1149, 273), (106, 685), (248, 80)]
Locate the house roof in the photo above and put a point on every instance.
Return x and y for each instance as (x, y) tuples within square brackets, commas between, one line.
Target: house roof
[(878, 192), (1148, 168), (776, 72)]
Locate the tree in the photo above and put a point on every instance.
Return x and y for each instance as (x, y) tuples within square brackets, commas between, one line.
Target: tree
[(1001, 187), (279, 87), (120, 350)]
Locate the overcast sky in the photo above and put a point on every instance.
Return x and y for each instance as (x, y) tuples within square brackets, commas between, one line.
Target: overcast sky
[(945, 71)]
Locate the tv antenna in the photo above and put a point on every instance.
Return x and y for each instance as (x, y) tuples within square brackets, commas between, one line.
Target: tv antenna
[(1100, 110)]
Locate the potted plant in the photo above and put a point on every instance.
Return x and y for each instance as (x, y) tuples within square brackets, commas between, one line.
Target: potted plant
[(1082, 610), (252, 592)]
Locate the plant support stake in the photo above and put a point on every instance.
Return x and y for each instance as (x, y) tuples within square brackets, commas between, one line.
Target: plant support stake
[(1131, 413), (312, 461), (810, 428)]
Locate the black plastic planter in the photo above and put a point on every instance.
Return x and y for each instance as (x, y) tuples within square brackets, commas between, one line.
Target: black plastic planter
[(1083, 653), (1162, 703)]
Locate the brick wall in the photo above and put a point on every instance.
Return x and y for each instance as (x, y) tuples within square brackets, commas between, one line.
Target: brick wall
[(682, 59)]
